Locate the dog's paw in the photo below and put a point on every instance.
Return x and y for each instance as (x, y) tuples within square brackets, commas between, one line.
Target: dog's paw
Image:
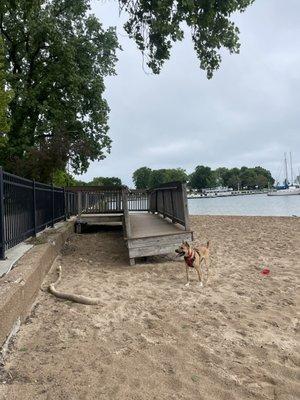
[(200, 284), (187, 284)]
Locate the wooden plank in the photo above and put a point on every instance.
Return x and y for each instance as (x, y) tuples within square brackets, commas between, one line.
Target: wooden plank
[(101, 219), (146, 247), (126, 219), (150, 225), (185, 207), (152, 251), (158, 240)]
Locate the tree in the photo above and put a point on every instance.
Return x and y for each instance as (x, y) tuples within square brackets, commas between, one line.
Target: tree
[(145, 178), (62, 178), (176, 175), (261, 181), (141, 178), (248, 178), (5, 97), (106, 181), (57, 56), (157, 177), (202, 177), (154, 25), (266, 173), (234, 182), (221, 176)]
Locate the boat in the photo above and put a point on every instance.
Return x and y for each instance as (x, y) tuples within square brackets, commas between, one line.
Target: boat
[(291, 190), (287, 189)]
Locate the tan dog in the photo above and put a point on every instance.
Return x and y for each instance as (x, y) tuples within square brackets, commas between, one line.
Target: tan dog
[(193, 258)]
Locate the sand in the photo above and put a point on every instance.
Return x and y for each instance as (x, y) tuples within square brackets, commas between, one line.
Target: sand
[(153, 338)]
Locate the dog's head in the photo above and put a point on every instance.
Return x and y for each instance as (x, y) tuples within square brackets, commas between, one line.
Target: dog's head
[(183, 249)]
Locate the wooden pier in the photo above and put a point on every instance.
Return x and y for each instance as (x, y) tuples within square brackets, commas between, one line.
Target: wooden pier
[(154, 221)]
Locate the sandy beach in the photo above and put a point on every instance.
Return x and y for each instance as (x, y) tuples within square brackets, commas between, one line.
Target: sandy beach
[(153, 338)]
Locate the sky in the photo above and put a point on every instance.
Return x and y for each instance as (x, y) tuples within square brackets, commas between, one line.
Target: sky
[(248, 114)]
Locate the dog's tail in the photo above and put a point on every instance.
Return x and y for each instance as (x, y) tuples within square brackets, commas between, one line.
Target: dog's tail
[(207, 244)]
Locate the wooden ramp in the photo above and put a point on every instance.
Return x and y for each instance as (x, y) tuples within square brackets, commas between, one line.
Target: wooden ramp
[(151, 234), (154, 221)]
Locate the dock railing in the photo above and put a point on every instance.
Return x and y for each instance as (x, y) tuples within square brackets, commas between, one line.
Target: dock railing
[(170, 201), (98, 199), (138, 200)]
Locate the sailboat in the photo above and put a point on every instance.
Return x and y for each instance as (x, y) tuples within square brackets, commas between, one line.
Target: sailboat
[(287, 189)]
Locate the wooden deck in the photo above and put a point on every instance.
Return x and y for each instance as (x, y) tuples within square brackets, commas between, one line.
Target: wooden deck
[(150, 234), (149, 225), (154, 222)]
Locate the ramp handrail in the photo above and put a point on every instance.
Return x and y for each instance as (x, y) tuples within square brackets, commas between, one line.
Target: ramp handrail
[(170, 200)]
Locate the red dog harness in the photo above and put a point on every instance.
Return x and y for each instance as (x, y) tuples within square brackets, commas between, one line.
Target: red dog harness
[(190, 258)]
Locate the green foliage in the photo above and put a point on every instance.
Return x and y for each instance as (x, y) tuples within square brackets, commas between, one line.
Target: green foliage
[(158, 177), (62, 178), (141, 177), (154, 25), (145, 178), (5, 97), (106, 181), (235, 178), (58, 56), (202, 177)]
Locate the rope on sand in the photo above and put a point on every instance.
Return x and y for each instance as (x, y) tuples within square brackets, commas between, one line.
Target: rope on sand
[(69, 296)]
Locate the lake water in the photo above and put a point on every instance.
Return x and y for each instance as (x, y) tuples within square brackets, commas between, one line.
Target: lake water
[(259, 204)]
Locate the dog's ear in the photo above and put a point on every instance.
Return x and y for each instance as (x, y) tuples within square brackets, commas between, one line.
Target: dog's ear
[(186, 243)]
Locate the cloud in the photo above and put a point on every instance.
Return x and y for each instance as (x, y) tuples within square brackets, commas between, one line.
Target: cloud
[(248, 114)]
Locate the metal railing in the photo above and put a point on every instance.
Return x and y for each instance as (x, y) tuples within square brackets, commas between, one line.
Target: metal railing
[(27, 207)]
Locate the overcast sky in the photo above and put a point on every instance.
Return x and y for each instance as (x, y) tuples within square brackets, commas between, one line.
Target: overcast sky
[(248, 114)]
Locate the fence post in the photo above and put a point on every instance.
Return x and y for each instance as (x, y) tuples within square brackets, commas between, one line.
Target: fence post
[(2, 235), (52, 192), (65, 208), (34, 208), (172, 204), (79, 204)]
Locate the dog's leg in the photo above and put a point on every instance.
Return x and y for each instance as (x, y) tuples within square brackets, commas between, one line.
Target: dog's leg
[(187, 275), (199, 272)]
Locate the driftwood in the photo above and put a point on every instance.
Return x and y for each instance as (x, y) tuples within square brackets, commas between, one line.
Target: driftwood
[(76, 298)]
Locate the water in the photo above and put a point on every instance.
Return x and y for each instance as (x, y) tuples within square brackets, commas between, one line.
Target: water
[(259, 204)]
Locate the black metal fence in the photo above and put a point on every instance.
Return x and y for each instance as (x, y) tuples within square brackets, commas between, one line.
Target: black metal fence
[(27, 207)]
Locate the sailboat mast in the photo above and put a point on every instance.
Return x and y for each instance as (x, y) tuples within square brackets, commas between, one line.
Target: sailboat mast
[(292, 175), (286, 170)]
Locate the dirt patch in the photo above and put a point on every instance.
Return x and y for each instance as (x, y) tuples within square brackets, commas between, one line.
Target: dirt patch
[(153, 338)]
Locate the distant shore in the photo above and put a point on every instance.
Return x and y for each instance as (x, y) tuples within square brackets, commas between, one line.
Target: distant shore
[(232, 193)]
